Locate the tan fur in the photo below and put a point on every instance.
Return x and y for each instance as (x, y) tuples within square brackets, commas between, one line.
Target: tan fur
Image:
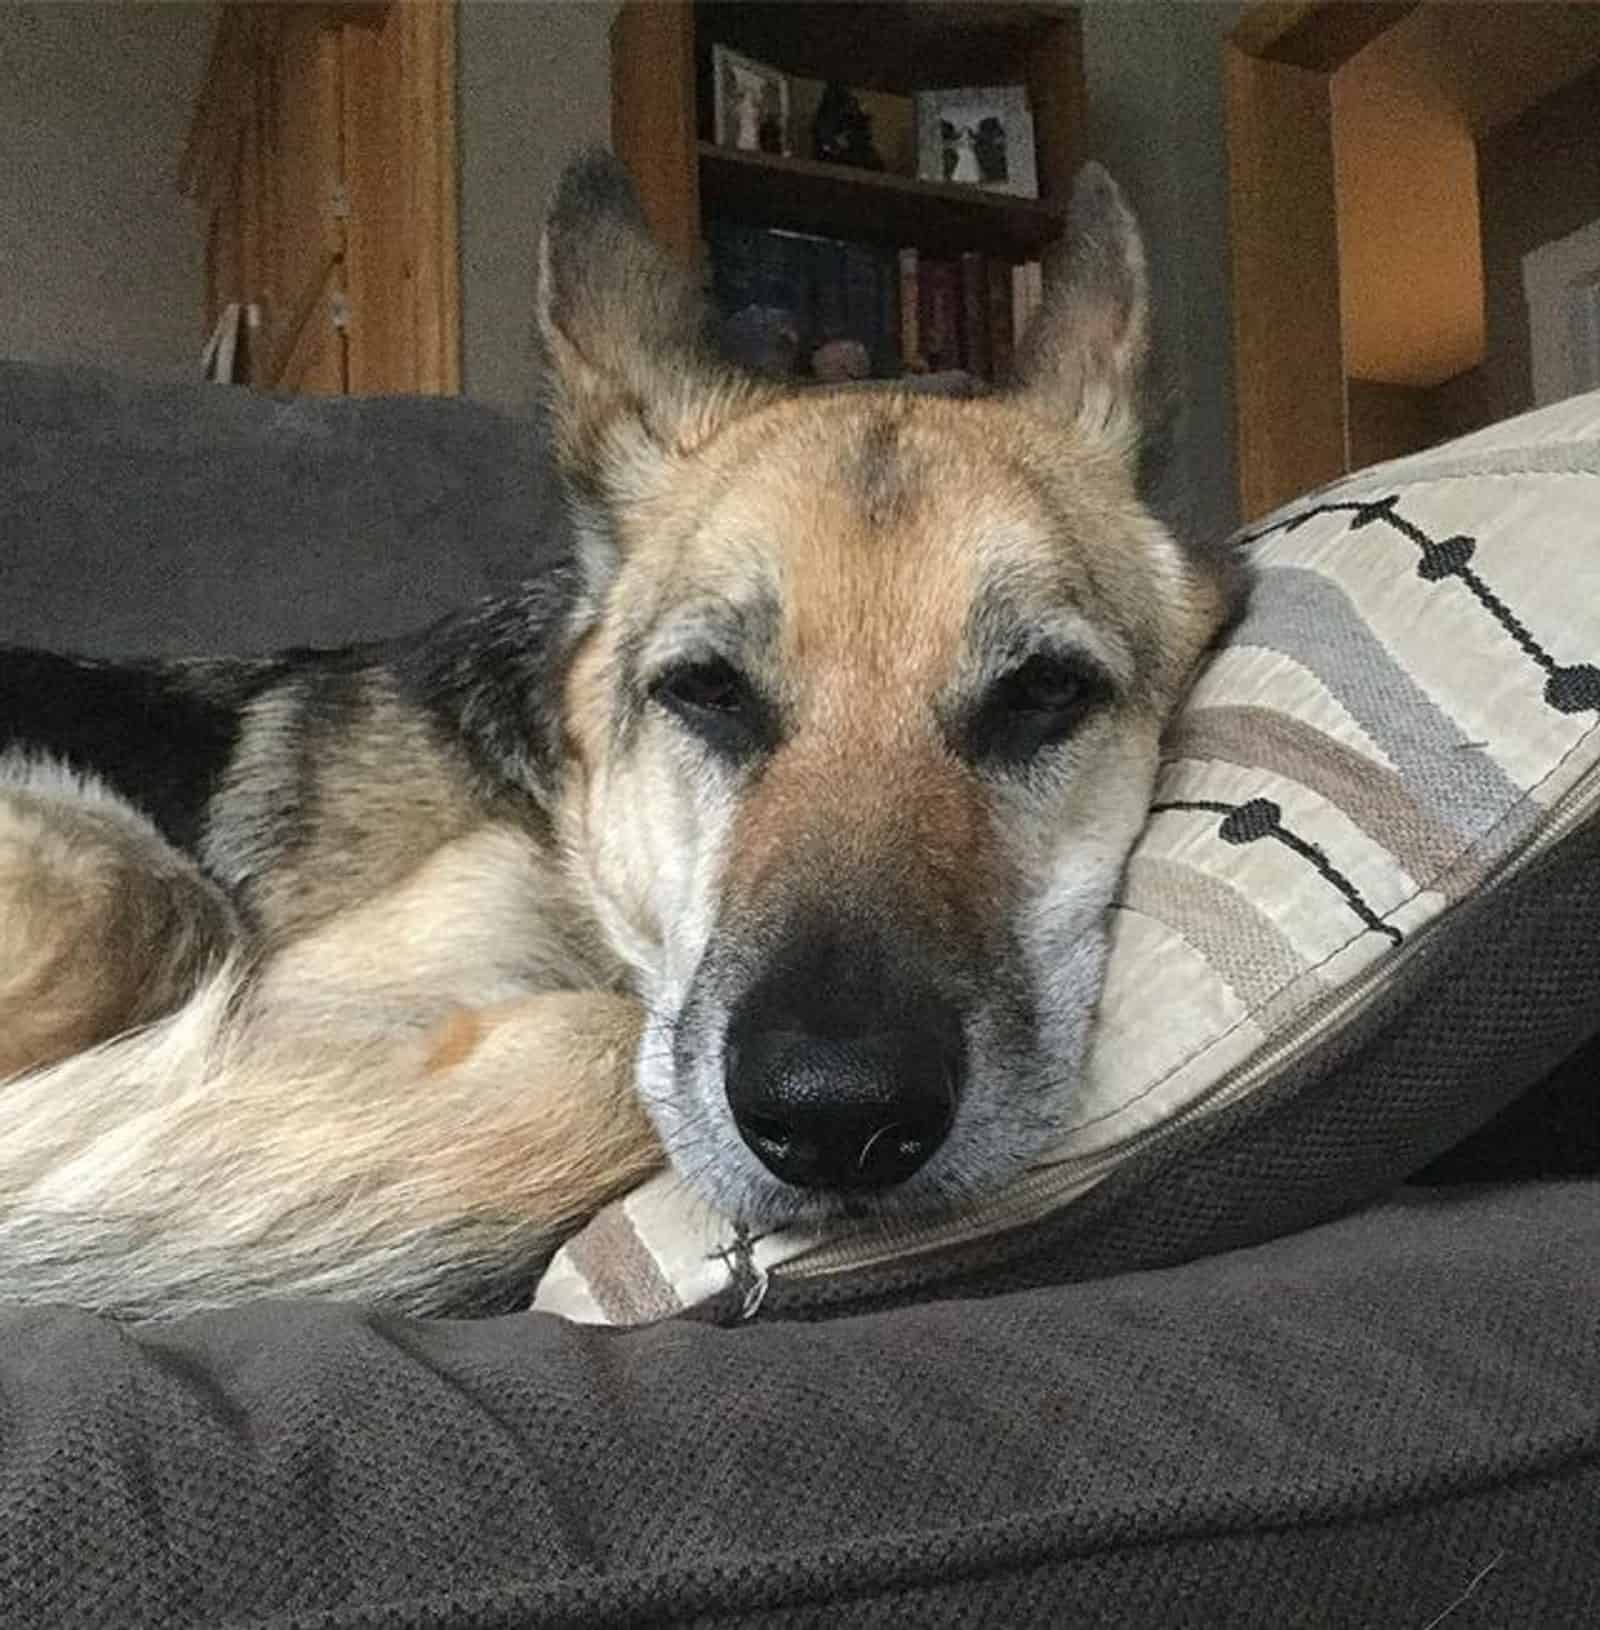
[(310, 1122), (102, 927), (453, 1040), (583, 1138)]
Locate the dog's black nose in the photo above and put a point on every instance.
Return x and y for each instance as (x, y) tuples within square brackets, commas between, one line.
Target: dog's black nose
[(859, 1112)]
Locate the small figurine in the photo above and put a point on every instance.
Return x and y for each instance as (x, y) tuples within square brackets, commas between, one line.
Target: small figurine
[(747, 116), (966, 168), (841, 133)]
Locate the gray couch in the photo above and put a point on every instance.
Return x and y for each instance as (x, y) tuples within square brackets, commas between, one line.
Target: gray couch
[(1170, 1413)]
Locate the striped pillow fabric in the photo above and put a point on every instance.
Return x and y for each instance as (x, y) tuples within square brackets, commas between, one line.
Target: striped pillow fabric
[(1408, 713)]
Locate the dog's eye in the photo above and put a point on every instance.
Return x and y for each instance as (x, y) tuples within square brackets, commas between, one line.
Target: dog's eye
[(1043, 684), (713, 685), (1038, 703), (718, 703)]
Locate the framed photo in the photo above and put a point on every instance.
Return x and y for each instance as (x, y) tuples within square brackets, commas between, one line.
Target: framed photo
[(978, 137), (751, 102)]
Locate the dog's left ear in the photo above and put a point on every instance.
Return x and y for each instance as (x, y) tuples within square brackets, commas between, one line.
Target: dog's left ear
[(1086, 352), (631, 368)]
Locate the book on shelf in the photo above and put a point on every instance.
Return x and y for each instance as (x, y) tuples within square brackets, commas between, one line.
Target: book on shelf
[(998, 311), (972, 310), (939, 313), (785, 295), (910, 327), (975, 316)]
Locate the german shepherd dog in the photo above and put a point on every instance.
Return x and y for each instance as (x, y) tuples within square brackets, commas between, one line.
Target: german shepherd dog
[(776, 831)]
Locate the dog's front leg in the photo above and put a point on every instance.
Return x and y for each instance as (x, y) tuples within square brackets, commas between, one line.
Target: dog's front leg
[(537, 1101)]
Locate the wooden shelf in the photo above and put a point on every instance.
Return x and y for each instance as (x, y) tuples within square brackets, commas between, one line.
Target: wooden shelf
[(838, 201), (888, 45), (661, 116)]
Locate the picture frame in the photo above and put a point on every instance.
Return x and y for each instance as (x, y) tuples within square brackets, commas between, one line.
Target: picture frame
[(980, 136), (750, 100)]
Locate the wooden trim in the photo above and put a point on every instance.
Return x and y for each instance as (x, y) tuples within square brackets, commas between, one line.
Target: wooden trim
[(653, 115), (399, 125), (221, 105), (1322, 35), (300, 101), (434, 221), (1060, 112), (1288, 343), (314, 298)]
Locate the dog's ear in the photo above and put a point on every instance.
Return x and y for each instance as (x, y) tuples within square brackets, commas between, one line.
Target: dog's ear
[(631, 368), (1086, 352)]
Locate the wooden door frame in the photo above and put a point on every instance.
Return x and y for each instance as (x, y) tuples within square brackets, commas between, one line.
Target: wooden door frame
[(1293, 397), (1289, 379), (404, 248)]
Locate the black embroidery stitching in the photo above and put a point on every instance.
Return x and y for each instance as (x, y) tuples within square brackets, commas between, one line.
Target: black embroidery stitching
[(1573, 688), (1259, 818)]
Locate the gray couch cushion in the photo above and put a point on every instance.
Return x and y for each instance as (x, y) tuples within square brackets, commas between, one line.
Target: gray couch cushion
[(1340, 1429), (140, 519)]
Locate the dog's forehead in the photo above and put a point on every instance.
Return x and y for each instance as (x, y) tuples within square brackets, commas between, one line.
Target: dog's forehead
[(905, 508), (865, 479)]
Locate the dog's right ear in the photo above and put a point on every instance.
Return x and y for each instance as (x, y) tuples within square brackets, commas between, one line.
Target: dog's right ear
[(632, 372)]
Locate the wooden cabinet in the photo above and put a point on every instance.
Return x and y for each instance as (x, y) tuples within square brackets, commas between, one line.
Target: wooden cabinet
[(322, 154), (663, 117)]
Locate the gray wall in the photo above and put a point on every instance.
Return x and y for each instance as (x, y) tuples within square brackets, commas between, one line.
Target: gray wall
[(100, 259), (1154, 81), (534, 84)]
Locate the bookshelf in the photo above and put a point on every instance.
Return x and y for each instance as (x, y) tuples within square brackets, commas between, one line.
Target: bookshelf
[(663, 119)]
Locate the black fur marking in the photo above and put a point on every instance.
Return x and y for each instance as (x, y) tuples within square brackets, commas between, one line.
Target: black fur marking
[(596, 186), (878, 472), (491, 677), (158, 739), (684, 645)]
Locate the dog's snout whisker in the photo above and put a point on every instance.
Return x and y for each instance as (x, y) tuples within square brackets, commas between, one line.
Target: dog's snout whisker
[(871, 1143)]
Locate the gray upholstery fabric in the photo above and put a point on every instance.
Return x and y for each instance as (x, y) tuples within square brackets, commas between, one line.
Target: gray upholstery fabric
[(140, 519), (1340, 1429)]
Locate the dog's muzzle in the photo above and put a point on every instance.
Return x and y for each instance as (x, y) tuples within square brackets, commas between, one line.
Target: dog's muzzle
[(840, 1106)]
